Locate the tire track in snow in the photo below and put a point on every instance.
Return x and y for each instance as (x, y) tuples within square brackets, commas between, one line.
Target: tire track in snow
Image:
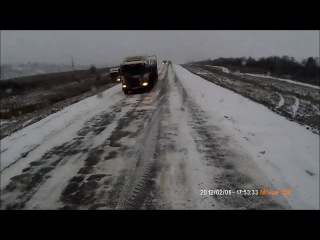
[(86, 190), (223, 159), (22, 187), (177, 174), (120, 188), (137, 184)]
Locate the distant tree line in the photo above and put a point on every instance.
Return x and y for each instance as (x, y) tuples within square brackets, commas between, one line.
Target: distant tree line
[(288, 67)]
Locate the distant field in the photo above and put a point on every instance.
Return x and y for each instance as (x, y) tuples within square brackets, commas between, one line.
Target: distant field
[(18, 86), (295, 102), (28, 99)]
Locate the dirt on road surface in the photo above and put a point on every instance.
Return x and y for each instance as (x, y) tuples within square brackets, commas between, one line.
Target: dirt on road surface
[(156, 150)]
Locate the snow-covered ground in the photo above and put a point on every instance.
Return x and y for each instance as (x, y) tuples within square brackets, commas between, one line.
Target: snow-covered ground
[(226, 70), (223, 69), (281, 79), (279, 96), (284, 150), (281, 102), (4, 122), (158, 150), (67, 121)]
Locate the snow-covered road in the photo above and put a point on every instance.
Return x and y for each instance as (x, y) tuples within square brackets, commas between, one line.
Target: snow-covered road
[(170, 148)]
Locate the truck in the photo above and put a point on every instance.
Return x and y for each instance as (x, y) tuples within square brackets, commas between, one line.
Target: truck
[(115, 74), (139, 72)]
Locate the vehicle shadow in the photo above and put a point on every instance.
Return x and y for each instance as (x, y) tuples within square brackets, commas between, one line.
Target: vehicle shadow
[(138, 91)]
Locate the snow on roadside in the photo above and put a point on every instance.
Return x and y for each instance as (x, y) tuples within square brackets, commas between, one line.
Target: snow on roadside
[(281, 79), (226, 70), (295, 107), (4, 122), (65, 122), (26, 123), (284, 150), (281, 101)]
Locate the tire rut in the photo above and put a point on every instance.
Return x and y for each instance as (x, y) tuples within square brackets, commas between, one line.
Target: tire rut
[(22, 187), (217, 153), (102, 193), (89, 188), (139, 179)]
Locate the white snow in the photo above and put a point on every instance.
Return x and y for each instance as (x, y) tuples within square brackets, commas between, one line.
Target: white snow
[(27, 122), (290, 149), (280, 79), (185, 174), (226, 70), (4, 122), (295, 107), (65, 123), (281, 102), (223, 69)]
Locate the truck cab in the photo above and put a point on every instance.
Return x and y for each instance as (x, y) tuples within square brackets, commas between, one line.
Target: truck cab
[(115, 74), (138, 72)]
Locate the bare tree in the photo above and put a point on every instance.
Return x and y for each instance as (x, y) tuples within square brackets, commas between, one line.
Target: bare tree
[(93, 69)]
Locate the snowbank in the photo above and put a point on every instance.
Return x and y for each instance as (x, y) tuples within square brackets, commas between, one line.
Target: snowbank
[(284, 150)]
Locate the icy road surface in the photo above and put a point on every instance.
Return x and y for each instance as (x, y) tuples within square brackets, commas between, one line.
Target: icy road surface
[(161, 150)]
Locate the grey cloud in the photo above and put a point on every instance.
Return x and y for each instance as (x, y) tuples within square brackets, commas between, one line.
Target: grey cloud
[(110, 47)]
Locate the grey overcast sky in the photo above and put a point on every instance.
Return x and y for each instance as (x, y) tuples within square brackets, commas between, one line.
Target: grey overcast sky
[(110, 47)]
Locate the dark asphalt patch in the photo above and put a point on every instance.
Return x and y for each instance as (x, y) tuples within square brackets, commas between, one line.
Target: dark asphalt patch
[(92, 160), (79, 194), (112, 154), (96, 177), (21, 177), (85, 170), (72, 187), (77, 179), (114, 144), (55, 163), (27, 169)]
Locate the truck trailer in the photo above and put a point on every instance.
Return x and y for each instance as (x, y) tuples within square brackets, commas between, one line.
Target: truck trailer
[(138, 72)]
